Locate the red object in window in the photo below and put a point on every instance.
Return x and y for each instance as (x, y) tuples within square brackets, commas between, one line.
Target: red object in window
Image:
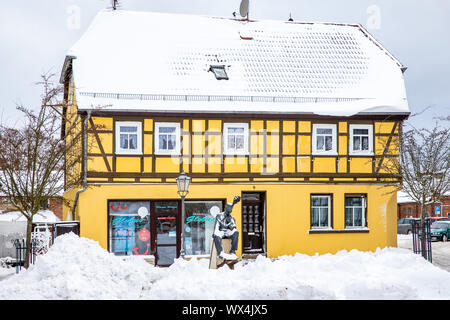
[(166, 218), (144, 235), (136, 252)]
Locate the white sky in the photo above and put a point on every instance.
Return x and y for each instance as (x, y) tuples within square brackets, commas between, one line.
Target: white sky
[(35, 35)]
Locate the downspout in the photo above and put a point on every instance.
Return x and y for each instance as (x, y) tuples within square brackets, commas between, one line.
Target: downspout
[(75, 202)]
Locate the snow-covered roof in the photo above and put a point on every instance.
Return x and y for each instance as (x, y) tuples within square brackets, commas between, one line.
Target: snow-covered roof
[(42, 216), (150, 61), (403, 197)]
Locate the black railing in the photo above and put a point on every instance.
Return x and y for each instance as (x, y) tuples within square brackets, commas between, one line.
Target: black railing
[(21, 250), (417, 230)]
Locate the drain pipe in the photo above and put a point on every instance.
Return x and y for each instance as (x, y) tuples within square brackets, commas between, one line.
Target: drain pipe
[(75, 202)]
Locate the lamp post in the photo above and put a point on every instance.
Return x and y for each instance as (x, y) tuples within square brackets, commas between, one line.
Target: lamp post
[(183, 184)]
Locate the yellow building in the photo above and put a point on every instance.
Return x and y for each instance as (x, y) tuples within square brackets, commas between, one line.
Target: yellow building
[(297, 119)]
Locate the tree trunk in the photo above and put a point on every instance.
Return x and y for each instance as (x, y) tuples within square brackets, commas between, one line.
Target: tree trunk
[(422, 228), (28, 242)]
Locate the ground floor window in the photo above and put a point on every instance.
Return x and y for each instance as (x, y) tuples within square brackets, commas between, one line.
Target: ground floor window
[(320, 211), (199, 226), (129, 227), (355, 211)]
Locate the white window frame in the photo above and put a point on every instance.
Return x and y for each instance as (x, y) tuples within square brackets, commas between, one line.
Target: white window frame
[(333, 150), (136, 124), (177, 149), (226, 149), (363, 209), (329, 211), (370, 135)]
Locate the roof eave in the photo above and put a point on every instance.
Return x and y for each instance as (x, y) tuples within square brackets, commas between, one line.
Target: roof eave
[(377, 43), (67, 65)]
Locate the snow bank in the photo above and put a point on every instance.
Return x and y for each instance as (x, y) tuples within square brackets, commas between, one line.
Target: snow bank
[(78, 268)]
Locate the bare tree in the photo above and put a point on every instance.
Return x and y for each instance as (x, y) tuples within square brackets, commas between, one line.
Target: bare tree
[(32, 156), (424, 165)]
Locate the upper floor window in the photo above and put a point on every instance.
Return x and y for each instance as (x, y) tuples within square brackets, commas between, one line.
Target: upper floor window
[(324, 139), (320, 211), (128, 137), (355, 211), (167, 138), (361, 139), (235, 138)]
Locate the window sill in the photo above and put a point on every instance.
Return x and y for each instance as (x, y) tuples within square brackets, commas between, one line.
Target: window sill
[(229, 153), (159, 153), (127, 153), (368, 154), (355, 230), (332, 154)]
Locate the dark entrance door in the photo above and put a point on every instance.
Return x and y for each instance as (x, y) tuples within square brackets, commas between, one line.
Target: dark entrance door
[(165, 233), (253, 224)]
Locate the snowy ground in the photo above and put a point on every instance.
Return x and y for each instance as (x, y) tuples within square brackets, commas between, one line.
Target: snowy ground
[(78, 268)]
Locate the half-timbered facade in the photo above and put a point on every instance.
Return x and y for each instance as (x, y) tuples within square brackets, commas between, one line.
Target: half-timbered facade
[(298, 119)]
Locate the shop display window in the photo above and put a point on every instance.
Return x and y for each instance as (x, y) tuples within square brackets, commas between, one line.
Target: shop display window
[(199, 226), (129, 227)]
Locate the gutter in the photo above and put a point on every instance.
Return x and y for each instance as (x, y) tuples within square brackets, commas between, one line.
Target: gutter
[(85, 166)]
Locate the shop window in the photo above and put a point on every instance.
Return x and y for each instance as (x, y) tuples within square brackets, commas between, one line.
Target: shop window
[(320, 211), (324, 139), (129, 227), (355, 211), (361, 139), (167, 138), (235, 138), (128, 137), (199, 226)]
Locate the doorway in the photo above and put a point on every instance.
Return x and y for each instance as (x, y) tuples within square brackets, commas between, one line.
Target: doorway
[(166, 231), (253, 222)]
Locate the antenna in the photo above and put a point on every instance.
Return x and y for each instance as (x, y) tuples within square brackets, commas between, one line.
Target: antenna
[(115, 4), (243, 9)]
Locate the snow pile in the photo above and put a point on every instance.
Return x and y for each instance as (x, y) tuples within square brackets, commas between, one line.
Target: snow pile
[(78, 268), (5, 269)]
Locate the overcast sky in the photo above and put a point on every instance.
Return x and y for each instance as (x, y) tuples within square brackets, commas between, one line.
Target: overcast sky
[(35, 35)]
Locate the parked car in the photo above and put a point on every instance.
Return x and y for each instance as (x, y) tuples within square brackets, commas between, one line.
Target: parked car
[(435, 219), (440, 230), (404, 226)]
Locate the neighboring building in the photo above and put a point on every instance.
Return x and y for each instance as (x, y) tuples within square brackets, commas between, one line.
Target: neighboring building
[(408, 208), (296, 118)]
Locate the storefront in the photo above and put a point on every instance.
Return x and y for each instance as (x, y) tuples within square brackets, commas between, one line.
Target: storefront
[(153, 227)]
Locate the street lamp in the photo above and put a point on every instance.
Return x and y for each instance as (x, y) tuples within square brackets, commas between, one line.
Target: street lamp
[(183, 184)]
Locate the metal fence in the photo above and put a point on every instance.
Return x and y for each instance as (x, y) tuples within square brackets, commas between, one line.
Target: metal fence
[(21, 250), (417, 230)]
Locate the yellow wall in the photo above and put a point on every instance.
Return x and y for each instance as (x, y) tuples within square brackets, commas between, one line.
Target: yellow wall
[(269, 140), (288, 213)]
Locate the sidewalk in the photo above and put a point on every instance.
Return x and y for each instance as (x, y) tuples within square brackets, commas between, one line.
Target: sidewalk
[(440, 250)]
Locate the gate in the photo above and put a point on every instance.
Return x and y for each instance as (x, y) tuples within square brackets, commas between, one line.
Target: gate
[(21, 250), (417, 236)]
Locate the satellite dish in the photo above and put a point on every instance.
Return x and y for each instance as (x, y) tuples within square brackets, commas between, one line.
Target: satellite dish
[(243, 9)]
